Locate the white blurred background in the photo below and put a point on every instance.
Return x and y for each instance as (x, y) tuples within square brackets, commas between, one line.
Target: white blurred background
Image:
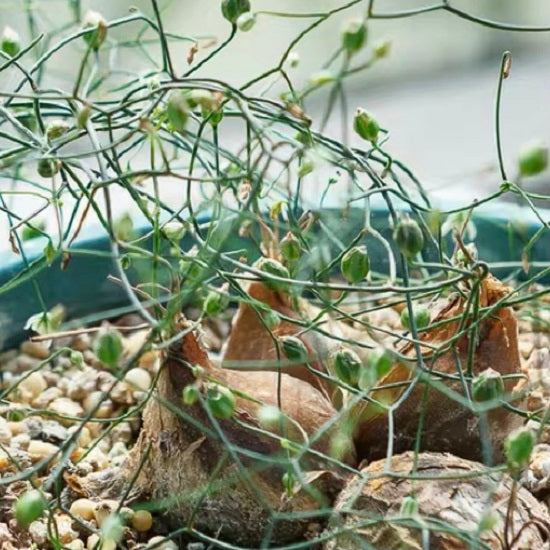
[(435, 92)]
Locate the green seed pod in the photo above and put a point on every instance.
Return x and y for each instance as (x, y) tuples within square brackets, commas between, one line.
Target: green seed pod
[(98, 29), (321, 77), (15, 415), (76, 358), (273, 267), (354, 35), (221, 401), (10, 43), (269, 416), (123, 227), (47, 168), (365, 125), (82, 116), (108, 347), (215, 116), (177, 110), (382, 49), (233, 9), (487, 385), (173, 230), (246, 21), (518, 447), (125, 261), (533, 158), (346, 364), (200, 97), (190, 395), (215, 302), (56, 128), (294, 349), (290, 247), (421, 317), (306, 167), (29, 507), (354, 264), (408, 237)]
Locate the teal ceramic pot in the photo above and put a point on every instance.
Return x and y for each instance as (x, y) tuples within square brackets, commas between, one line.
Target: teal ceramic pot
[(502, 231)]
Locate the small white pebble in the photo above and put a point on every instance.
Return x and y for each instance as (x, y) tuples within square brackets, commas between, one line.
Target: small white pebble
[(97, 458), (40, 449), (138, 379), (103, 509), (83, 508), (17, 428), (166, 544), (35, 349), (5, 431), (91, 542), (76, 544), (34, 384), (21, 441), (66, 406), (118, 449), (142, 520)]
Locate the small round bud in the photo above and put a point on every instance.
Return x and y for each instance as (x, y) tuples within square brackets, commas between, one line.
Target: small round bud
[(321, 77), (10, 43), (269, 416), (82, 116), (421, 317), (97, 26), (294, 349), (273, 267), (215, 302), (487, 385), (293, 59), (190, 395), (221, 401), (533, 158), (346, 365), (76, 358), (108, 347), (354, 35), (246, 21), (177, 110), (173, 231), (518, 447), (306, 167), (354, 264), (382, 49), (29, 507), (233, 9), (288, 480), (123, 227), (290, 247), (47, 167), (408, 237), (56, 128), (365, 125), (199, 97)]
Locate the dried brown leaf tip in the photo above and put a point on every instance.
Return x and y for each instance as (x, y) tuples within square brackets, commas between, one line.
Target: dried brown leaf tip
[(453, 348), (253, 342)]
